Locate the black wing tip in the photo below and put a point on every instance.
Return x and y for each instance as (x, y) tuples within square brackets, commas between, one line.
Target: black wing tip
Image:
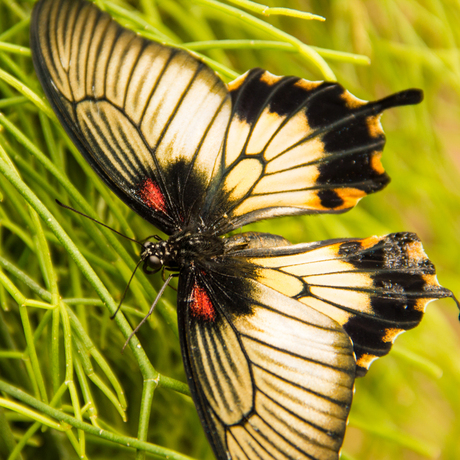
[(379, 183), (374, 184), (411, 96)]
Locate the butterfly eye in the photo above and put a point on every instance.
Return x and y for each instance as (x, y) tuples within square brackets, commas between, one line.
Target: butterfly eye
[(154, 262)]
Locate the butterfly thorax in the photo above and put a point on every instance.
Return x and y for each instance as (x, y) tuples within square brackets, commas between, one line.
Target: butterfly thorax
[(179, 250)]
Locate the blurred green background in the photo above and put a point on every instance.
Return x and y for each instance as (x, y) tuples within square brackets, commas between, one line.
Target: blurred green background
[(56, 340)]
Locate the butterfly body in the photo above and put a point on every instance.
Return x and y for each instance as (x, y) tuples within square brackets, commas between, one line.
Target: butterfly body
[(180, 250), (272, 335)]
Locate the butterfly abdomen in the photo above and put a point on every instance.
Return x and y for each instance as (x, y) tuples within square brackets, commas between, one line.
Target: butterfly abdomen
[(252, 240)]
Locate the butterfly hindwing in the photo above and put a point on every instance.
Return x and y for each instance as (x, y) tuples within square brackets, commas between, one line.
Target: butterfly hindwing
[(375, 287), (149, 118), (294, 146), (273, 335), (271, 377)]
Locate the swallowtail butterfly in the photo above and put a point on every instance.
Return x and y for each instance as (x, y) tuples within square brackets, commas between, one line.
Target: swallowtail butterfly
[(272, 334)]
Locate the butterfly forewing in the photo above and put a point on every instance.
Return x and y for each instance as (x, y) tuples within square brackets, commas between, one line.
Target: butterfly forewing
[(272, 378), (149, 118), (185, 151), (295, 147)]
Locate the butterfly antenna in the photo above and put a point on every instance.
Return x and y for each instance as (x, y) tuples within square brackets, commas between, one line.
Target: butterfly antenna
[(126, 290), (97, 222), (155, 237), (157, 298)]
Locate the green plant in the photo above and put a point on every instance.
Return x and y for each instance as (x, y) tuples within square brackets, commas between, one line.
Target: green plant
[(57, 270)]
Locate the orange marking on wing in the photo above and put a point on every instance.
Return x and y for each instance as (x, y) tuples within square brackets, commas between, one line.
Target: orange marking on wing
[(152, 196), (365, 360), (376, 163), (352, 101), (416, 253), (391, 334), (307, 85), (269, 78), (373, 125), (201, 305), (350, 196), (370, 241)]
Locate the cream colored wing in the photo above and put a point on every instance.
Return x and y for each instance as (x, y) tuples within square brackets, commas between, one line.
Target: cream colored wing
[(295, 147), (149, 118), (182, 149), (375, 288), (273, 335), (272, 378)]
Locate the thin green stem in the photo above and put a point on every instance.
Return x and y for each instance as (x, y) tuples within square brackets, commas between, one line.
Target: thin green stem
[(304, 50), (28, 93), (338, 56), (55, 349), (12, 289), (12, 101), (88, 428), (148, 391), (86, 365), (85, 268), (89, 407), (14, 30), (15, 49), (6, 434), (269, 11), (19, 408), (32, 353), (159, 30), (16, 9)]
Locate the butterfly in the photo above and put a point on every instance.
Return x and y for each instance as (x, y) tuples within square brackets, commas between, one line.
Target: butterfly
[(272, 334)]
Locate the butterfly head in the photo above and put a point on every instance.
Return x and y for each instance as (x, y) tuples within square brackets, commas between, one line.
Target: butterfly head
[(156, 255)]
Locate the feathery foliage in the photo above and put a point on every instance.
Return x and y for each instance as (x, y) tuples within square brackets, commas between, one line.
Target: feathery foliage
[(61, 366)]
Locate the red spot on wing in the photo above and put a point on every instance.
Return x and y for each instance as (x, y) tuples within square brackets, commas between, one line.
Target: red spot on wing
[(152, 196), (201, 305)]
